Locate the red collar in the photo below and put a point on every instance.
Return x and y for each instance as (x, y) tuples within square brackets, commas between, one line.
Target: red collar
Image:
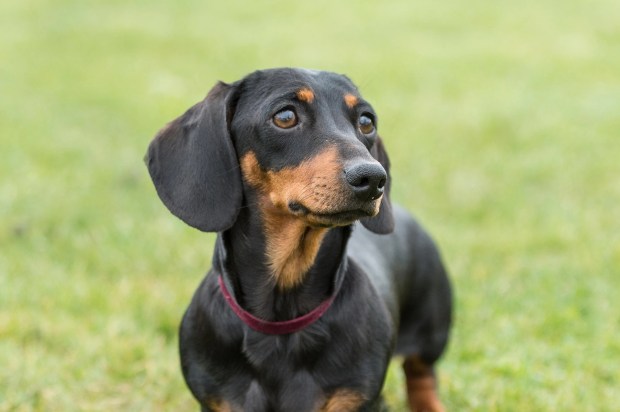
[(276, 328)]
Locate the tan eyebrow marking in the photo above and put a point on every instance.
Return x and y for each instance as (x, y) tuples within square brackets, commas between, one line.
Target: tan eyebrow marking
[(350, 100), (305, 95)]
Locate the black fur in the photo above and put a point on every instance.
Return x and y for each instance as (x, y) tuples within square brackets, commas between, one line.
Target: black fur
[(395, 294)]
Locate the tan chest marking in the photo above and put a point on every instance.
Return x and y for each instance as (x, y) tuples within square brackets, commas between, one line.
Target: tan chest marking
[(292, 243)]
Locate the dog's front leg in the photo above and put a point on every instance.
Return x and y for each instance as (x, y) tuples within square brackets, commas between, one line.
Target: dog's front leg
[(421, 386)]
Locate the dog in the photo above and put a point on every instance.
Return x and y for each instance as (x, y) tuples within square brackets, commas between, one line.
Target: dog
[(317, 279)]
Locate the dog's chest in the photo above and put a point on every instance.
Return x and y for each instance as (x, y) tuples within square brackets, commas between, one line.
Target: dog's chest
[(295, 390), (304, 372), (298, 391)]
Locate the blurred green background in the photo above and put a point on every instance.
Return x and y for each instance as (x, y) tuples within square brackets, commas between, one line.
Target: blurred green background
[(502, 120)]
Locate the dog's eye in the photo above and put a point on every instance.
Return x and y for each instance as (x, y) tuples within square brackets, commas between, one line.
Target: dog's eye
[(285, 119), (366, 124)]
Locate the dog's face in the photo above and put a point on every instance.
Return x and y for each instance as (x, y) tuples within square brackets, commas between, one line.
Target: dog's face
[(305, 142), (303, 139)]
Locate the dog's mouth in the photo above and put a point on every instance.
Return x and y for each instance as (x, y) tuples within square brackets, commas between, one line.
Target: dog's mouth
[(335, 218)]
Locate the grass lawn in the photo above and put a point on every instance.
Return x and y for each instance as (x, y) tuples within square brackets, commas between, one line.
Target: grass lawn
[(503, 124)]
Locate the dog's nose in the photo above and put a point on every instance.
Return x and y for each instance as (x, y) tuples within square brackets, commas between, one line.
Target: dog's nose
[(367, 180)]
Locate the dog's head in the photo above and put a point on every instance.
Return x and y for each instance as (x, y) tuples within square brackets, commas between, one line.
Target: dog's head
[(305, 141)]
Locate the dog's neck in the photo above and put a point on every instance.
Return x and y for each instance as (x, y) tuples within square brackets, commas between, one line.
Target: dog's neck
[(280, 268)]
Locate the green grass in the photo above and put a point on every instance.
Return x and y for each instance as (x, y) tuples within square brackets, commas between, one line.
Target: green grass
[(503, 123)]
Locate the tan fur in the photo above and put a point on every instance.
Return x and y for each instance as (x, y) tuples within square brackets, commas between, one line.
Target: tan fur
[(315, 183), (219, 406), (305, 95), (291, 248), (343, 400), (421, 386), (350, 100), (293, 241)]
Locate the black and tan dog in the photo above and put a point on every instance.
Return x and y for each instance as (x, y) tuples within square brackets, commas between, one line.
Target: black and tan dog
[(304, 306)]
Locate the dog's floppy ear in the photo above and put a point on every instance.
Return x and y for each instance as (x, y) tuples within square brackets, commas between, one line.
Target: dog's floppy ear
[(383, 222), (194, 166)]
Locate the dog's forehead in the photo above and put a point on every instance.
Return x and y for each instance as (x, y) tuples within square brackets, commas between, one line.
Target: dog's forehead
[(272, 83)]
